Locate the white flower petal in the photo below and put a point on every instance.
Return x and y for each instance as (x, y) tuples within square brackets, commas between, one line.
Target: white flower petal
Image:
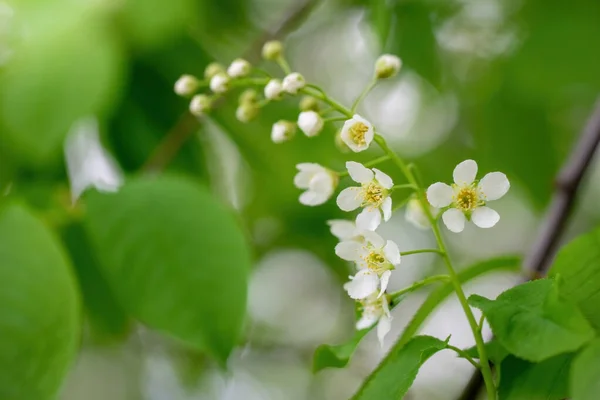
[(373, 237), (364, 284), (310, 167), (302, 179), (342, 229), (311, 198), (454, 220), (439, 195), (349, 250), (386, 208), (366, 321), (323, 183), (485, 217), (494, 185), (386, 308), (350, 198), (358, 172), (383, 179), (383, 282), (369, 219), (392, 253), (383, 328), (465, 172)]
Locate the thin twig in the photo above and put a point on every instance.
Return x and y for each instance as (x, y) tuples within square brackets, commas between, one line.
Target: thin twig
[(567, 185)]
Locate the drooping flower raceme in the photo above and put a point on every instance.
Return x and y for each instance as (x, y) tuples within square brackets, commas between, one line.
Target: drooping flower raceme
[(375, 259), (375, 309), (373, 195), (467, 197), (318, 181), (357, 133)]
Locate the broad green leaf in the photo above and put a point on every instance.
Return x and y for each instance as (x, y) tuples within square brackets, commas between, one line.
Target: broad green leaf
[(106, 316), (532, 322), (585, 373), (547, 380), (441, 293), (396, 373), (578, 264), (494, 350), (337, 356), (175, 258), (39, 312)]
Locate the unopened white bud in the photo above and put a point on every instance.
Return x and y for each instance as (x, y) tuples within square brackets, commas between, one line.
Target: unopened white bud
[(246, 112), (272, 50), (273, 89), (186, 85), (212, 69), (310, 123), (309, 103), (387, 65), (239, 68), (200, 105), (219, 83), (293, 82), (283, 131), (248, 96)]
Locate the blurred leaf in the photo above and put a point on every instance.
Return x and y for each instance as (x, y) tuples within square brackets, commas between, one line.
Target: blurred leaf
[(396, 373), (441, 293), (495, 351), (337, 356), (578, 264), (381, 16), (39, 316), (107, 317), (175, 258), (585, 373), (64, 69), (533, 322), (547, 380)]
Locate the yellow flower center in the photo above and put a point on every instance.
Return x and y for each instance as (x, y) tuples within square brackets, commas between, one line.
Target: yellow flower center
[(375, 261), (373, 194), (357, 133), (467, 199)]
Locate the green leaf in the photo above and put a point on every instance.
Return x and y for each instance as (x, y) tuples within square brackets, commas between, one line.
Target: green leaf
[(381, 17), (533, 322), (175, 258), (547, 380), (39, 312), (337, 356), (578, 264), (396, 373), (494, 350), (585, 373)]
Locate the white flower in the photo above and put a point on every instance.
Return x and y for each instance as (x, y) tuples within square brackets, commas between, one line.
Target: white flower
[(200, 105), (318, 181), (415, 214), (186, 85), (375, 309), (272, 50), (88, 163), (273, 89), (467, 197), (375, 259), (239, 68), (387, 65), (219, 83), (373, 195), (357, 133), (283, 131), (310, 122), (345, 230), (293, 82)]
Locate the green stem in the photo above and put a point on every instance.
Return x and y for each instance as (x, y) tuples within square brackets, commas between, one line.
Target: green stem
[(417, 285), (333, 119), (364, 93), (319, 94), (409, 252), (248, 81), (283, 64), (464, 355), (404, 186)]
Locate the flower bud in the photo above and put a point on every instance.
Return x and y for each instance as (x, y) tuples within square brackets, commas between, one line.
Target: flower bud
[(186, 85), (248, 96), (200, 105), (309, 103), (293, 82), (246, 112), (212, 69), (239, 68), (310, 123), (219, 83), (387, 65), (272, 50), (283, 131), (273, 89)]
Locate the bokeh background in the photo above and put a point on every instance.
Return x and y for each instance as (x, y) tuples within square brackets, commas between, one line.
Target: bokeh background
[(508, 83)]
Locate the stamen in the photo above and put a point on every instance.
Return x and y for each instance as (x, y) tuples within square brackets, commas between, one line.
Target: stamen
[(357, 133)]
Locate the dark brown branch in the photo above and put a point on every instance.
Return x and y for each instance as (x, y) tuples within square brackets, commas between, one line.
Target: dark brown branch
[(545, 247)]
